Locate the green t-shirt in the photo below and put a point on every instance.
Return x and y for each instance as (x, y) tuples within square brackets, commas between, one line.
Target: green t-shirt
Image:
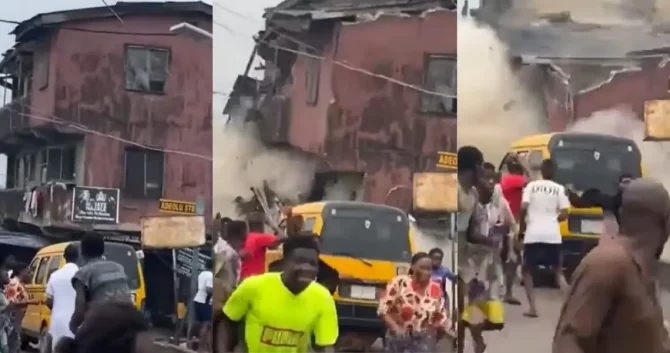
[(278, 321)]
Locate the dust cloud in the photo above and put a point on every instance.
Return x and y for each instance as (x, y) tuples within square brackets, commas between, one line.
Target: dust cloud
[(495, 106), (241, 162), (603, 12), (621, 121)]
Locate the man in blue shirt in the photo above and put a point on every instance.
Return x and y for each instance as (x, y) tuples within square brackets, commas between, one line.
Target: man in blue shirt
[(440, 273)]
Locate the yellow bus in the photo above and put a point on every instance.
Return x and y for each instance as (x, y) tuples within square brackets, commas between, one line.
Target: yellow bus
[(589, 163), (367, 244), (35, 324)]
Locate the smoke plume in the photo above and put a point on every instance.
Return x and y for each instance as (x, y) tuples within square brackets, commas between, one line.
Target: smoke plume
[(495, 106), (623, 122), (603, 12), (241, 162)]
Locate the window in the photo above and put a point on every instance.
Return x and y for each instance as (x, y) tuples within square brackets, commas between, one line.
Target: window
[(146, 69), (58, 163), (54, 264), (144, 173), (33, 268), (308, 225), (312, 72), (439, 76), (42, 271)]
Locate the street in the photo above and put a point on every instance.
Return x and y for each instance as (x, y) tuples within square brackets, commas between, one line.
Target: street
[(534, 335)]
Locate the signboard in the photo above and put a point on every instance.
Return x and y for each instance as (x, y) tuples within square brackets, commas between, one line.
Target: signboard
[(447, 160), (95, 205), (657, 120), (436, 192), (184, 261), (172, 206), (172, 232)]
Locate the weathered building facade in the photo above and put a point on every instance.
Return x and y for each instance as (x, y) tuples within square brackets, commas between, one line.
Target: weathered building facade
[(367, 88), (103, 103)]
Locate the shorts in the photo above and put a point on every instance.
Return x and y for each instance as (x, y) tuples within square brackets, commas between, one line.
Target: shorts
[(203, 312), (542, 254)]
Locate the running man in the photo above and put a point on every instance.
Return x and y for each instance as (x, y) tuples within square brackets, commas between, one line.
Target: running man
[(282, 311), (512, 184), (495, 220), (613, 305), (470, 237), (61, 297), (98, 280), (202, 303), (543, 205), (439, 273)]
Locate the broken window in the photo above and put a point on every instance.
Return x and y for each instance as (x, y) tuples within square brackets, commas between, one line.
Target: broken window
[(58, 163), (439, 77), (146, 69), (312, 71), (144, 172)]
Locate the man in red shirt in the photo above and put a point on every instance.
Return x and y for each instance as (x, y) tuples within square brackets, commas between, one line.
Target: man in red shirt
[(253, 253), (512, 184)]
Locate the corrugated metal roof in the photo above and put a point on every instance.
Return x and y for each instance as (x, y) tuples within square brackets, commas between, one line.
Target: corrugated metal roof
[(305, 7), (121, 8), (578, 41)]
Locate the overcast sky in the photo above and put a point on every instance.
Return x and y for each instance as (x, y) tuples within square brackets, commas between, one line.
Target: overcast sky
[(232, 46)]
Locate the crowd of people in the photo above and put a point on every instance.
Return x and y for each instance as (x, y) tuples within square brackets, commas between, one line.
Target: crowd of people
[(509, 221), (291, 308), (91, 305)]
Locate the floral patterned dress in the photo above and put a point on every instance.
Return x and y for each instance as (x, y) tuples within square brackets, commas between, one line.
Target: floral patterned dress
[(420, 312), (16, 292)]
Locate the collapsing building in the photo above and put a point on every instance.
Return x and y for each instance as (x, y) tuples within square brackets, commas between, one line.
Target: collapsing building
[(367, 90)]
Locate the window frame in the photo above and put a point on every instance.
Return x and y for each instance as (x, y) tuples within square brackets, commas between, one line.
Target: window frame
[(50, 270), (130, 194), (34, 265), (148, 48), (427, 59), (44, 263), (312, 78)]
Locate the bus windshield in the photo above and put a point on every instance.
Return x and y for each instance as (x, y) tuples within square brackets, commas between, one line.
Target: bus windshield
[(596, 166), (366, 232)]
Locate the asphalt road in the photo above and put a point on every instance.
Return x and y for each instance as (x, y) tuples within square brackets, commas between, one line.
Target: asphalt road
[(534, 335)]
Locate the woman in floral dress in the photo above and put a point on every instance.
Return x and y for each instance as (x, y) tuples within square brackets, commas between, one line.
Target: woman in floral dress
[(413, 309)]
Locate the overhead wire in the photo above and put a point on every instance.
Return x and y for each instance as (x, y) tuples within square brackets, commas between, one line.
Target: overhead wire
[(340, 63), (76, 126)]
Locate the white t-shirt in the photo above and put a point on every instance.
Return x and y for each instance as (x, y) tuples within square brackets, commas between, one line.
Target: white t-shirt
[(60, 290), (205, 280), (545, 199)]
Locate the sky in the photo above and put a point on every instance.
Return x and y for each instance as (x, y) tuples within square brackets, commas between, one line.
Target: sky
[(235, 24)]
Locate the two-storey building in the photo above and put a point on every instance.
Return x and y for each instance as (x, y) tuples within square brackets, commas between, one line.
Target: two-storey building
[(116, 108), (368, 88), (103, 103)]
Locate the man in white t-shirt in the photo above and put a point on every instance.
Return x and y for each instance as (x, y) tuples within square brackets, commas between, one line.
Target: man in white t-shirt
[(202, 304), (543, 205), (61, 297)]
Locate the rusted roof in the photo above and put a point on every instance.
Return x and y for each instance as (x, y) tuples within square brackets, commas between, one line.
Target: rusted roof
[(581, 41), (121, 8), (347, 7)]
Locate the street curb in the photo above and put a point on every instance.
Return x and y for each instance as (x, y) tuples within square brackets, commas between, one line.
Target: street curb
[(664, 275)]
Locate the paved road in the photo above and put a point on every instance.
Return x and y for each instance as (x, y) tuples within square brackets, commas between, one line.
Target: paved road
[(535, 335)]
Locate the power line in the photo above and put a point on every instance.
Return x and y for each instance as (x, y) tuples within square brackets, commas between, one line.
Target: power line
[(97, 31), (348, 66), (79, 127)]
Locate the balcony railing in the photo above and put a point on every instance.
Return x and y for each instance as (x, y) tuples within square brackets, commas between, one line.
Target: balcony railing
[(13, 116), (46, 206)]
